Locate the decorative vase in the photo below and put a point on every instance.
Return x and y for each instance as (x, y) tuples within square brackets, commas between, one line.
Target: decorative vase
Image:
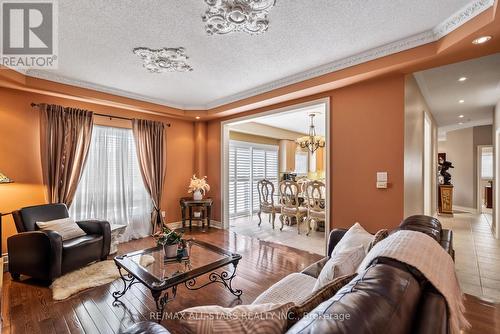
[(197, 195), (170, 250)]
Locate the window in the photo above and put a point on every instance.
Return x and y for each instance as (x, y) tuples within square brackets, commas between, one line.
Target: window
[(487, 163), (248, 164), (111, 186), (301, 162)]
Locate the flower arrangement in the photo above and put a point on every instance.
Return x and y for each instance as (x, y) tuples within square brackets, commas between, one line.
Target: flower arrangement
[(200, 185), (167, 237)]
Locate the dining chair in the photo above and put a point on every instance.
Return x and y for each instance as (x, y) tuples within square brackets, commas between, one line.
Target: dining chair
[(302, 181), (265, 188), (315, 193), (290, 203)]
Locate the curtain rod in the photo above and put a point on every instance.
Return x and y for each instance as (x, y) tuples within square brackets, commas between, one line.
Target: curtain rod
[(104, 115)]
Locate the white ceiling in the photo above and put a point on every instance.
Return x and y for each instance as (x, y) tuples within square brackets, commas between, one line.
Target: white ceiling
[(290, 124), (297, 120), (305, 39), (480, 92)]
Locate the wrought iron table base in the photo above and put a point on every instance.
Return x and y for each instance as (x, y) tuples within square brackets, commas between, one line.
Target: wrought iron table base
[(163, 297), (128, 281), (224, 278)]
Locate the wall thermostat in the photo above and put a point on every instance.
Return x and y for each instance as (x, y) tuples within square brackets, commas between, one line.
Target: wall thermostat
[(381, 180)]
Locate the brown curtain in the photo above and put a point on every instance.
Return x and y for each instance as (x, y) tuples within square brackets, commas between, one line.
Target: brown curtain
[(65, 135), (151, 151)]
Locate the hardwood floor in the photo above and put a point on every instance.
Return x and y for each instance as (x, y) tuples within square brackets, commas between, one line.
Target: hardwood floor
[(27, 306)]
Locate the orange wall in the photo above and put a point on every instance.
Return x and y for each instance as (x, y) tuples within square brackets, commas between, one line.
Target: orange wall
[(200, 149), (367, 133), (367, 127), (20, 153)]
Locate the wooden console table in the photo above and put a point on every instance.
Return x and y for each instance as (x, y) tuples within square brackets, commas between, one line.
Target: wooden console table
[(188, 203), (445, 194)]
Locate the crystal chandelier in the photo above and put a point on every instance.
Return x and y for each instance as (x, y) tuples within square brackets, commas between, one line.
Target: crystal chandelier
[(225, 16), (312, 142)]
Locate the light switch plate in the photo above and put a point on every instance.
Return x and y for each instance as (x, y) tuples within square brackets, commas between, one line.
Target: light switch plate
[(381, 185), (163, 214), (381, 176)]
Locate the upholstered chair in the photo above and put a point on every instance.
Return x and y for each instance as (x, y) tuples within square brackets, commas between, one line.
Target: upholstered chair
[(289, 199), (315, 193), (265, 188), (43, 254)]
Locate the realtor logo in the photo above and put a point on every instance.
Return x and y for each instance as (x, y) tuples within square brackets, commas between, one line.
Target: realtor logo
[(29, 34)]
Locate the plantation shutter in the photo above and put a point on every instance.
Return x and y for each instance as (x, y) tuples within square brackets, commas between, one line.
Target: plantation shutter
[(248, 164), (259, 173)]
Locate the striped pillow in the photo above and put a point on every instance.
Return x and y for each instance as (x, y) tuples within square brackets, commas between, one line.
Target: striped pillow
[(379, 236), (262, 318), (66, 227), (297, 312)]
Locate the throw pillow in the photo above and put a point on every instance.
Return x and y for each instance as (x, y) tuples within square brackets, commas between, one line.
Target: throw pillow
[(354, 237), (263, 318), (341, 264), (295, 288), (66, 227), (297, 312), (379, 236)]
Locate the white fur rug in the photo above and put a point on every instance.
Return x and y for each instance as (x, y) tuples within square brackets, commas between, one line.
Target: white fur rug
[(96, 274)]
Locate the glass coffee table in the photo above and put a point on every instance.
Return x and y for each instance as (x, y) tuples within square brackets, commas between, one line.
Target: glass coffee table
[(164, 275)]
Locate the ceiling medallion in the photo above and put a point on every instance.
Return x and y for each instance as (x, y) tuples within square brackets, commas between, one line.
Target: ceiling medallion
[(164, 60), (226, 16), (312, 142)]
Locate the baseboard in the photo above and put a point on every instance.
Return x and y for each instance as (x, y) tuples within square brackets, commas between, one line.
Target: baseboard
[(464, 208), (213, 223)]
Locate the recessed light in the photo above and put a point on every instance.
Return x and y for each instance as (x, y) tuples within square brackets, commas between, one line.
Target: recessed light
[(461, 101), (481, 40), (197, 117), (462, 79), (461, 116), (460, 123)]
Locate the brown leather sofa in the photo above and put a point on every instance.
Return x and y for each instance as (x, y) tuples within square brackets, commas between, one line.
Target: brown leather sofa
[(43, 255), (388, 297)]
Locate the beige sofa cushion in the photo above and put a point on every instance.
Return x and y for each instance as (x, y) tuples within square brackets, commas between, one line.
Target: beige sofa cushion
[(295, 288), (354, 237), (66, 227), (340, 264), (262, 318)]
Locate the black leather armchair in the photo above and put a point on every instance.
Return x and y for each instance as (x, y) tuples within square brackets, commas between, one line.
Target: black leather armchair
[(43, 254)]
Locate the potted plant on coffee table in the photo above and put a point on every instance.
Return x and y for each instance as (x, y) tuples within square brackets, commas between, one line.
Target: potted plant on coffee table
[(170, 240)]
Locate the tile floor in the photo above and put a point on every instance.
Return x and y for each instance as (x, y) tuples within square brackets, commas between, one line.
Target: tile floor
[(477, 254), (314, 243)]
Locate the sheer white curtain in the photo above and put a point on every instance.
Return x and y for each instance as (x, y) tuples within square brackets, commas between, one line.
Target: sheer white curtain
[(111, 187)]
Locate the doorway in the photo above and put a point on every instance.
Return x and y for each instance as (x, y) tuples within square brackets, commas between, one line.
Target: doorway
[(264, 146), (485, 180), (428, 166)]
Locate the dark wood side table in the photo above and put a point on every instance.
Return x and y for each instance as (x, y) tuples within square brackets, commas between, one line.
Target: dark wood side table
[(488, 196), (188, 203)]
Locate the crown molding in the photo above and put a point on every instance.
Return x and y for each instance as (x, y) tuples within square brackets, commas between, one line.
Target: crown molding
[(51, 76), (450, 24)]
